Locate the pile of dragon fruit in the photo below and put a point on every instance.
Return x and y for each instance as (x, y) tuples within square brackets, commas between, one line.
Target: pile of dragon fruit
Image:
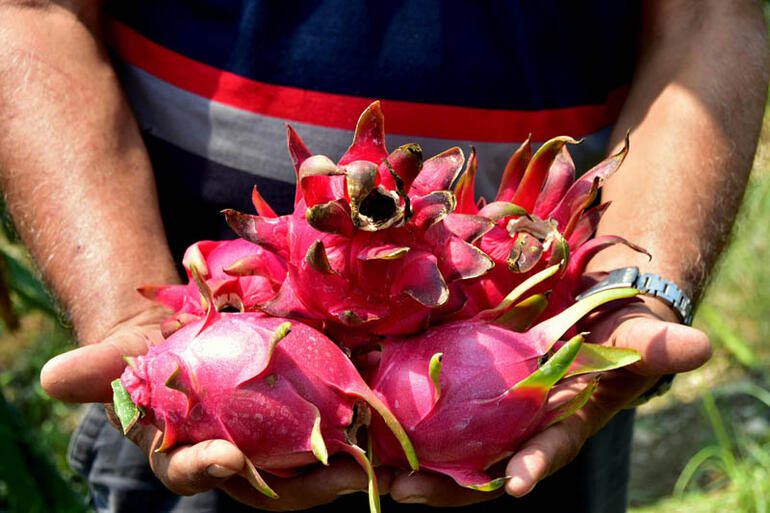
[(390, 310)]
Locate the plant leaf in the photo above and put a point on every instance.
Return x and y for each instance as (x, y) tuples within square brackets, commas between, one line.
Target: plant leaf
[(128, 413)]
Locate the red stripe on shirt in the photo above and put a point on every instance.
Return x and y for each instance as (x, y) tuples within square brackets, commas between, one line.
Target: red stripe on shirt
[(341, 111)]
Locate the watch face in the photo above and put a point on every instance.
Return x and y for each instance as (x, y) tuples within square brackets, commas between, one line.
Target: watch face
[(619, 278)]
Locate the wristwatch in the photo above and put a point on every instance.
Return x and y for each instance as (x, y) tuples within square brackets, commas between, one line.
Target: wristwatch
[(652, 285), (649, 284)]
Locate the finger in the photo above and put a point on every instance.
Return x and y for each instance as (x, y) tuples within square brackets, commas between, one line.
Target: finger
[(435, 490), (189, 469), (196, 468), (665, 347), (112, 417), (550, 450), (320, 486), (83, 375), (545, 453)]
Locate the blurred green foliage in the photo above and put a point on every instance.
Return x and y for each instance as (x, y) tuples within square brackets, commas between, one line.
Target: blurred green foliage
[(34, 429), (734, 461), (732, 474)]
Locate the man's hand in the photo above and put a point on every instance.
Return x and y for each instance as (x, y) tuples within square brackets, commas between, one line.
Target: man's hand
[(666, 347), (84, 375), (436, 490)]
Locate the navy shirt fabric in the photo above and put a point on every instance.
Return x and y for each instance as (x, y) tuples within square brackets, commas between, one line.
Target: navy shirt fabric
[(494, 54)]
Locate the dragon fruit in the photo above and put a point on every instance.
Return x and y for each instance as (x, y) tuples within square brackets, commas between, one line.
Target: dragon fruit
[(468, 393), (541, 217), (368, 246), (241, 275), (385, 244), (280, 391), (386, 247)]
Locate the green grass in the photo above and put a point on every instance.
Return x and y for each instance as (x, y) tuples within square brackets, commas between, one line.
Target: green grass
[(731, 474), (733, 463), (729, 471), (34, 429)]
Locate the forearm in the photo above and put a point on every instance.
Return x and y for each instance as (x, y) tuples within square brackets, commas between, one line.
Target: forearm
[(73, 167), (695, 110)]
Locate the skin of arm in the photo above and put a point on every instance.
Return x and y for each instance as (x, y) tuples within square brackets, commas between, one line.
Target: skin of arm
[(73, 167), (695, 111), (79, 186)]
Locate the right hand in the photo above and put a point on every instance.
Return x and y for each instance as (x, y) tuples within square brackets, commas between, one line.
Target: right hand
[(83, 375)]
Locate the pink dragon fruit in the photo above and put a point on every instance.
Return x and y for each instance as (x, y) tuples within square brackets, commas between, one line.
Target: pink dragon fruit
[(240, 274), (468, 393), (282, 392), (379, 245), (369, 248), (542, 217)]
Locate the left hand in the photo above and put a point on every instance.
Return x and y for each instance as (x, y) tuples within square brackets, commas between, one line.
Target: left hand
[(84, 375), (667, 347)]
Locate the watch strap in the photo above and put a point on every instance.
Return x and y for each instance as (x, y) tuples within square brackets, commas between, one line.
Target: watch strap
[(649, 284)]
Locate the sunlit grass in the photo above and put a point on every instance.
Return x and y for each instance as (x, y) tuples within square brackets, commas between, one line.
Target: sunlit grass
[(731, 473)]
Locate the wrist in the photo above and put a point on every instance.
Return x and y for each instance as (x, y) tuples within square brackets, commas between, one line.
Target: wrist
[(119, 304), (659, 263), (661, 309), (96, 328)]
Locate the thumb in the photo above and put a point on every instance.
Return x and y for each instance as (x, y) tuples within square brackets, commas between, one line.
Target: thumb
[(665, 347), (83, 375)]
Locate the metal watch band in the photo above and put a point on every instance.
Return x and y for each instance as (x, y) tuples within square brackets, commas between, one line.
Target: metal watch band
[(650, 284)]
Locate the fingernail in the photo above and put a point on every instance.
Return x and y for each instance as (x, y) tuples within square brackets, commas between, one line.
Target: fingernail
[(413, 499), (519, 487), (219, 471), (348, 491)]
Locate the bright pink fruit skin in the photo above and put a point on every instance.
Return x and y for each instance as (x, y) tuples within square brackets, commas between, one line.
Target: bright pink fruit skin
[(474, 423), (541, 217), (264, 405), (240, 274), (469, 392), (367, 248), (386, 244), (379, 245), (559, 223)]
